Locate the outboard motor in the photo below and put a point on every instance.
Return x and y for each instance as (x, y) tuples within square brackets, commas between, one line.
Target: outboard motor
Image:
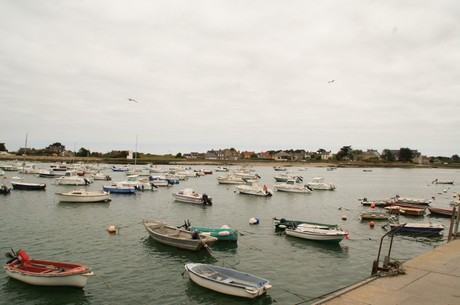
[(195, 234), (206, 200), (87, 182)]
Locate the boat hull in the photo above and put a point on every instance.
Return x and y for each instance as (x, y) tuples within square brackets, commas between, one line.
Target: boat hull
[(236, 286), (315, 236), (83, 198), (222, 234), (28, 186), (176, 237), (46, 273)]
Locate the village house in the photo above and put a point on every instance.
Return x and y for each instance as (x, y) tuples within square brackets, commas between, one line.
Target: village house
[(282, 156), (247, 154)]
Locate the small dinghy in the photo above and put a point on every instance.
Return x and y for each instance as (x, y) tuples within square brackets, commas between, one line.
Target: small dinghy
[(227, 281), (46, 273)]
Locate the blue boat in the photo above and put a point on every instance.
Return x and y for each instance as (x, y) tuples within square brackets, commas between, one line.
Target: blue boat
[(119, 189)]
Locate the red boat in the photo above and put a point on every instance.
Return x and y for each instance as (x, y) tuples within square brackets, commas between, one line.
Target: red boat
[(440, 212), (46, 273)]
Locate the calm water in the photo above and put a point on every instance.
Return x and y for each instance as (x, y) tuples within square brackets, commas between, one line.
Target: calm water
[(130, 268)]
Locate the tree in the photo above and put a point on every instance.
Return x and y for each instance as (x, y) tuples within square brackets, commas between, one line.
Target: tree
[(83, 152), (343, 153), (405, 155), (387, 156), (179, 155), (56, 148), (455, 158)]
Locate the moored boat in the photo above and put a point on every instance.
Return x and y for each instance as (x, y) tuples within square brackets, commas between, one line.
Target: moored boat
[(230, 179), (317, 233), (440, 212), (436, 181), (416, 227), (374, 215), (46, 273), (319, 184), (83, 196), (291, 186), (252, 188), (190, 196), (411, 200), (224, 233), (396, 209), (4, 189), (28, 186), (227, 281), (177, 237), (117, 188), (283, 223)]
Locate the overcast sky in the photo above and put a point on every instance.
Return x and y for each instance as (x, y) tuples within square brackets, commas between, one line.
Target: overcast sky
[(213, 74)]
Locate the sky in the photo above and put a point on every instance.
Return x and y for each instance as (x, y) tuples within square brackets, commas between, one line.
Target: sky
[(212, 74)]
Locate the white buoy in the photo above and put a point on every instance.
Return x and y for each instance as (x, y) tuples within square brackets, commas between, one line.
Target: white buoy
[(254, 221)]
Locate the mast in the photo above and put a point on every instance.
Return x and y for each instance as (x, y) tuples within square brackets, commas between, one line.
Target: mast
[(135, 154), (25, 145)]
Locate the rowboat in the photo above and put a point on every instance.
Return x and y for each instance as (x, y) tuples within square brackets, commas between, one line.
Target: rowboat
[(418, 227), (374, 202), (190, 196), (46, 273), (317, 233), (374, 215), (282, 224), (177, 237), (436, 181), (83, 196), (440, 212), (396, 209), (227, 281)]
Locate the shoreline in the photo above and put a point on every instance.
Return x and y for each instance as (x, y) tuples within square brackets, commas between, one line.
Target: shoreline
[(273, 163)]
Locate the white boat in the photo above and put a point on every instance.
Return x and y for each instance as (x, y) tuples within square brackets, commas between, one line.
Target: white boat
[(292, 187), (158, 170), (319, 184), (283, 177), (190, 196), (100, 176), (158, 181), (71, 178), (317, 233), (252, 188), (221, 169), (279, 168), (230, 179), (246, 174), (46, 273), (137, 182), (227, 281), (28, 169), (83, 196), (411, 200)]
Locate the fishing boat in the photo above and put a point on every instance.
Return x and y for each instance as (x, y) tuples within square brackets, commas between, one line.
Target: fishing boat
[(190, 196), (291, 186), (120, 168), (396, 209), (440, 212), (28, 186), (158, 181), (177, 237), (83, 196), (227, 281), (116, 188), (319, 184), (46, 273), (374, 215), (224, 233), (316, 232), (252, 188)]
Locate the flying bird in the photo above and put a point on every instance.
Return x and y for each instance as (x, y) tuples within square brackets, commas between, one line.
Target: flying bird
[(132, 100), (331, 81)]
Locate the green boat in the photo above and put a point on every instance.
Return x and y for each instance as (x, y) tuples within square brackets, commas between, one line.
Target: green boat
[(224, 233)]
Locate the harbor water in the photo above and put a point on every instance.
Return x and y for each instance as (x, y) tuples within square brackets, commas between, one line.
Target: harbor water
[(131, 268)]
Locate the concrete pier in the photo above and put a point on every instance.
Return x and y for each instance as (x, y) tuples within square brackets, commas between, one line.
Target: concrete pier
[(431, 279)]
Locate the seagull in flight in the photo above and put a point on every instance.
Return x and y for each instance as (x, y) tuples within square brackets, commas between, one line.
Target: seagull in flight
[(132, 100), (331, 81)]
